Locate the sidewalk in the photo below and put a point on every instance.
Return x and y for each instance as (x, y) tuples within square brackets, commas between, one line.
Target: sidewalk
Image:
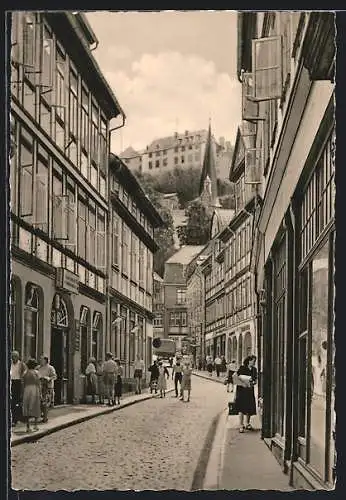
[(64, 416), (241, 461), (205, 374)]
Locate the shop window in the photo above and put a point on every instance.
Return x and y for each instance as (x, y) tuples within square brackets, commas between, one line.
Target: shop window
[(31, 313), (84, 334), (319, 354)]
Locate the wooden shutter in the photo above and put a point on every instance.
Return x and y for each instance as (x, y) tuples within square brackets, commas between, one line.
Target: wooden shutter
[(250, 108), (41, 216), (71, 223), (29, 42), (46, 80), (267, 68), (26, 191), (253, 165)]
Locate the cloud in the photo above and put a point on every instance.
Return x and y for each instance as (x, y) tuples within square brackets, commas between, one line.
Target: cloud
[(161, 90)]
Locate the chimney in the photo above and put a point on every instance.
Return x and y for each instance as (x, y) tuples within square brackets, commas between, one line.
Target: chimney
[(222, 142)]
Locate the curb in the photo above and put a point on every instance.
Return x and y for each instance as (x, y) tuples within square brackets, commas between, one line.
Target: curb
[(206, 377), (214, 469), (45, 432)]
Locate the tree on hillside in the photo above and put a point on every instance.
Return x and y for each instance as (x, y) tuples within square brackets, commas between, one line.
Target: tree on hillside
[(162, 235), (183, 181), (197, 230)]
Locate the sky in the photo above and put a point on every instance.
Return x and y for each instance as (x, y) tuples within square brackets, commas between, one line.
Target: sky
[(170, 71)]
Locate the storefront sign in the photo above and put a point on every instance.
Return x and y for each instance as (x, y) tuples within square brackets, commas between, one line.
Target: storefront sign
[(77, 336), (67, 280)]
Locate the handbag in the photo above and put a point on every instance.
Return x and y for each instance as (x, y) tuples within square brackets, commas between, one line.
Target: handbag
[(225, 382), (237, 380), (232, 408)]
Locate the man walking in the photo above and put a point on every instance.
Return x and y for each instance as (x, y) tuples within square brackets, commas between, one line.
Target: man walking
[(218, 363), (177, 375), (138, 373), (109, 369), (16, 372)]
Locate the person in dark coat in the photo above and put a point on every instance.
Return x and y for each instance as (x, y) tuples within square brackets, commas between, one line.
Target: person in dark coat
[(154, 375), (245, 394)]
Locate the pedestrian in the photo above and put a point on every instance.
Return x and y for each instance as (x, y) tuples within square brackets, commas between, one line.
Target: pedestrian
[(17, 371), (154, 375), (161, 381), (100, 384), (199, 364), (138, 373), (218, 365), (45, 398), (177, 374), (118, 382), (47, 371), (31, 395), (186, 382), (209, 361), (91, 380), (171, 361), (245, 394), (232, 368), (109, 370), (223, 364)]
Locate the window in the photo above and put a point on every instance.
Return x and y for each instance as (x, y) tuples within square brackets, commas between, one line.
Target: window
[(318, 203), (150, 165), (141, 264), (181, 296), (158, 320), (31, 312), (182, 148), (73, 104), (182, 159), (157, 163), (115, 238), (267, 68), (94, 133), (91, 233), (253, 166), (174, 319), (176, 160), (285, 29), (46, 76), (82, 227), (123, 330), (60, 85), (125, 249), (71, 212), (85, 120), (132, 339), (176, 149), (29, 45), (101, 239), (183, 318), (96, 336), (84, 334), (102, 184), (103, 146), (164, 162), (239, 193), (250, 109)]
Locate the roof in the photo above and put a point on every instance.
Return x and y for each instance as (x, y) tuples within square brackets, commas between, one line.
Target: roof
[(171, 141), (209, 167), (185, 254), (129, 153)]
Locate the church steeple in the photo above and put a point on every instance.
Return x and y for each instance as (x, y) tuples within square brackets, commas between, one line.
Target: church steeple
[(209, 170)]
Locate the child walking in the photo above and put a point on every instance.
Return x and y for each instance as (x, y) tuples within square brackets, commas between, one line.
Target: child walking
[(31, 395), (161, 382)]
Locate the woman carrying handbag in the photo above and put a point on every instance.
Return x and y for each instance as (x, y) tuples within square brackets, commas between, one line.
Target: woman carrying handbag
[(245, 379)]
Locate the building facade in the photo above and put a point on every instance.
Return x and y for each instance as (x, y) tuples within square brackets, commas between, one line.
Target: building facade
[(158, 307), (175, 306), (132, 222), (185, 150), (286, 66), (195, 295), (60, 112)]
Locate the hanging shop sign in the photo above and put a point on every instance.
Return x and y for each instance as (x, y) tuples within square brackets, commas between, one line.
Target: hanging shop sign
[(67, 280)]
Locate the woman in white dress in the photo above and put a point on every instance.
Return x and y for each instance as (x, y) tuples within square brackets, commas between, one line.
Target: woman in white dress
[(161, 382)]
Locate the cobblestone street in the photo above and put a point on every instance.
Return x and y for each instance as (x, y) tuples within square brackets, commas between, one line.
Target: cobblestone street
[(156, 444)]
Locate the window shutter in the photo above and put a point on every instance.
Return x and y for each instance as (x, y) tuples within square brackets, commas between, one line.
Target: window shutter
[(71, 222), (16, 34), (250, 108), (29, 41), (26, 191), (253, 165), (60, 203), (41, 216), (46, 80), (101, 249), (267, 68), (248, 133)]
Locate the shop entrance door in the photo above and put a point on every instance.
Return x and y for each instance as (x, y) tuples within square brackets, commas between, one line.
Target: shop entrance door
[(59, 350), (59, 359)]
